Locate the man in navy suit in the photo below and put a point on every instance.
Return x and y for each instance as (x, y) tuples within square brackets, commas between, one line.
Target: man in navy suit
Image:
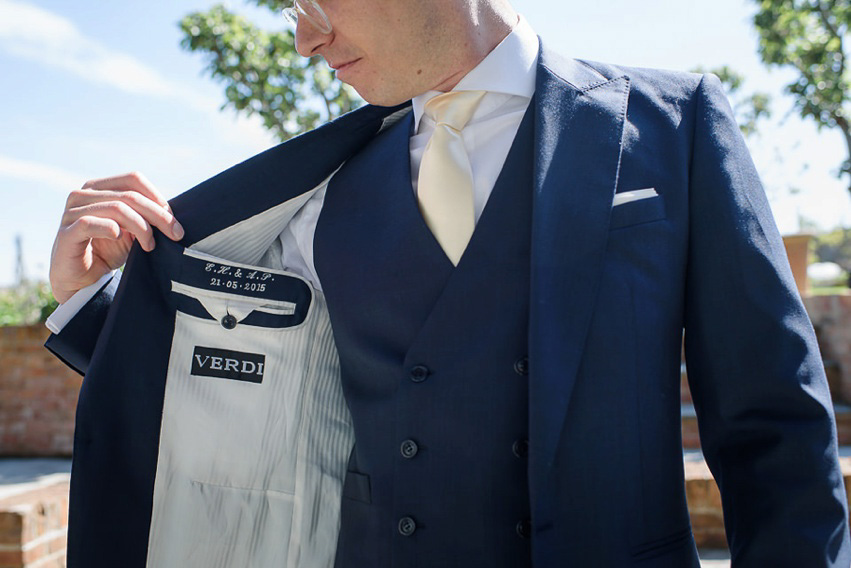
[(518, 406)]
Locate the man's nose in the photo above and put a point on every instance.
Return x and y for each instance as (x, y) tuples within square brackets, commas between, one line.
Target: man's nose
[(308, 39)]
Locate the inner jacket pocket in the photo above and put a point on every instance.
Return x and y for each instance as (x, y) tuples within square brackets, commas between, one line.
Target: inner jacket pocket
[(255, 431), (233, 293)]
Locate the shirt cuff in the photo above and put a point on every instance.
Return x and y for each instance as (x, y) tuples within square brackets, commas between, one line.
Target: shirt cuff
[(66, 312)]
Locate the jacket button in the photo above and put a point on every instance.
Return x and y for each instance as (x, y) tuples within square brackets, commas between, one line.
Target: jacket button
[(407, 526), (419, 373), (524, 528), (521, 366), (521, 448), (409, 449), (228, 322)]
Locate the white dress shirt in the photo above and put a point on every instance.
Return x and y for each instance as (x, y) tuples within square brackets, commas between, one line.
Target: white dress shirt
[(507, 74)]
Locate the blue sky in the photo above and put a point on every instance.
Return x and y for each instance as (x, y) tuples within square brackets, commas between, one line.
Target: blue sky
[(92, 89)]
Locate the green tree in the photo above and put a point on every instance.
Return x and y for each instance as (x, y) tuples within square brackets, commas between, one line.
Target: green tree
[(809, 36), (749, 109), (25, 304), (262, 73), (834, 246)]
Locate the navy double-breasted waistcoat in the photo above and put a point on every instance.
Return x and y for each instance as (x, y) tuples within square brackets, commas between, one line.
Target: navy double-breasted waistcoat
[(432, 365), (613, 282)]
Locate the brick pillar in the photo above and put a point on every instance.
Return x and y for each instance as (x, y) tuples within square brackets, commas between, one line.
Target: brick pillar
[(704, 506), (798, 250), (831, 316), (38, 395), (34, 526)]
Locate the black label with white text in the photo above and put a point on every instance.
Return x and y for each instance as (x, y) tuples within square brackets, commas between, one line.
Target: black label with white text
[(227, 364), (231, 279)]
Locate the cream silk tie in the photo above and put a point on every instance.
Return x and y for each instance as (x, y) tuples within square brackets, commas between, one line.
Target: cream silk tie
[(445, 185)]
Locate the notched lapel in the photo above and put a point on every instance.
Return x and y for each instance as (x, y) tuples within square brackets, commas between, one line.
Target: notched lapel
[(580, 118)]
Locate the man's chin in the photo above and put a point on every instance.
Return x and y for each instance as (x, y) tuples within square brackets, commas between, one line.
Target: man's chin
[(382, 97), (382, 100)]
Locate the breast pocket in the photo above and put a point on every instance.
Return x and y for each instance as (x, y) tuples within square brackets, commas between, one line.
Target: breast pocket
[(637, 212)]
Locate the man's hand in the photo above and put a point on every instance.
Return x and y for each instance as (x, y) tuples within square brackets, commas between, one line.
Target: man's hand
[(100, 223)]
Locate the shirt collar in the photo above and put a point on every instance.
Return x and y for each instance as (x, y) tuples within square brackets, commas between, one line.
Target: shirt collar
[(509, 69)]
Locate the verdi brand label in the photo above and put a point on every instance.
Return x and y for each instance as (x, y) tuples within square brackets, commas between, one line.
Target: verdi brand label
[(227, 364)]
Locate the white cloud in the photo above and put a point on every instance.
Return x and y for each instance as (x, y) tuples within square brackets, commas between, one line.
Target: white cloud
[(50, 177), (35, 34), (39, 35)]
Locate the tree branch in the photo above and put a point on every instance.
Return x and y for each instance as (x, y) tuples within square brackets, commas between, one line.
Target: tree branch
[(824, 14), (846, 133)]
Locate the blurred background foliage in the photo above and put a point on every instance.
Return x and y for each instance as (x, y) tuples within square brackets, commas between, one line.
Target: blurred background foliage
[(811, 38), (834, 246), (26, 303), (263, 74)]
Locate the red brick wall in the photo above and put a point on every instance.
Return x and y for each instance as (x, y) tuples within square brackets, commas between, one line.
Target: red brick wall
[(34, 527), (831, 316), (38, 395)]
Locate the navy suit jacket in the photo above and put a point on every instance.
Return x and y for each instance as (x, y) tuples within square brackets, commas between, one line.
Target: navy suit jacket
[(612, 289)]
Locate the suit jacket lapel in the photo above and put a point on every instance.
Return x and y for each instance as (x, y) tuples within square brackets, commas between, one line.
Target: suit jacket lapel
[(580, 117)]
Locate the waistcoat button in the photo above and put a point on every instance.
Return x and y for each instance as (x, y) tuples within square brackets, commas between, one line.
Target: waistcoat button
[(419, 373), (228, 322), (407, 526), (409, 449), (521, 366), (524, 528), (520, 448)]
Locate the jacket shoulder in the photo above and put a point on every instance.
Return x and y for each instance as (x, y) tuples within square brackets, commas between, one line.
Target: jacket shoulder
[(669, 96), (668, 92)]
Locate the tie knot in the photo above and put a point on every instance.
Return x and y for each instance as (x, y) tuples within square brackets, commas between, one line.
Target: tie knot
[(455, 108)]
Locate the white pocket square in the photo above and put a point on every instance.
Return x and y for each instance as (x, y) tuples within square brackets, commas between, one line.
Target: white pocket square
[(635, 195)]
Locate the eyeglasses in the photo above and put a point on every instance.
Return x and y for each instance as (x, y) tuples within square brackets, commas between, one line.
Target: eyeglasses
[(311, 11)]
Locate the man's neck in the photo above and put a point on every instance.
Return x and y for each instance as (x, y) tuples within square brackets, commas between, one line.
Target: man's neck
[(487, 28)]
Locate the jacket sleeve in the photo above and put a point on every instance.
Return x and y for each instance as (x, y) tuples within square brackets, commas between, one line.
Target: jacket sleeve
[(75, 342), (766, 419)]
